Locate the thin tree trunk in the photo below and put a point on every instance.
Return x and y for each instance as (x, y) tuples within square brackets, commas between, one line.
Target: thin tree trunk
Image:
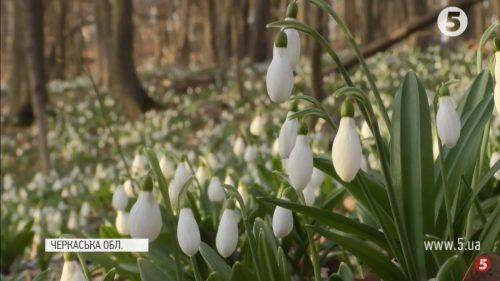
[(35, 44), (368, 21), (235, 46), (316, 73), (183, 48), (259, 43), (419, 8), (210, 25), (61, 40), (102, 11), (125, 84)]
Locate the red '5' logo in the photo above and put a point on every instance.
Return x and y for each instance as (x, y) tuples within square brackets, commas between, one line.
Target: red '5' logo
[(483, 264)]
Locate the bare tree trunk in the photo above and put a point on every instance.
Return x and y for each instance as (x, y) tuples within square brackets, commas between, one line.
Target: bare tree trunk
[(235, 46), (419, 8), (160, 40), (210, 25), (61, 40), (125, 84), (368, 21), (183, 47), (259, 43), (102, 11), (35, 44), (316, 73)]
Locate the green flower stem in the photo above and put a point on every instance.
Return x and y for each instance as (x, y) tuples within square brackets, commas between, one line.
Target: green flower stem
[(449, 219), (484, 38), (312, 243), (350, 38), (197, 275)]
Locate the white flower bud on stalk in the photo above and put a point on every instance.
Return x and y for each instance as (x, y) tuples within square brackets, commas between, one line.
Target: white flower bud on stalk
[(494, 158), (257, 125), (167, 167), (447, 119), (279, 77), (288, 135), (130, 188), (120, 199), (145, 217), (346, 147), (72, 271), (251, 153), (188, 233), (216, 192), (227, 233), (139, 165), (202, 174), (282, 221), (299, 165), (239, 146), (293, 37), (121, 222), (182, 176)]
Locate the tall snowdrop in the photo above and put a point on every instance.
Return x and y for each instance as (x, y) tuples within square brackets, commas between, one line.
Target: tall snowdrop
[(316, 181), (239, 146), (447, 119), (202, 174), (293, 37), (346, 147), (216, 192), (144, 220), (166, 167), (299, 165), (120, 199), (257, 125), (494, 158), (188, 232), (279, 77), (288, 135), (139, 165), (227, 233), (497, 74), (121, 222), (182, 176), (72, 271), (282, 221)]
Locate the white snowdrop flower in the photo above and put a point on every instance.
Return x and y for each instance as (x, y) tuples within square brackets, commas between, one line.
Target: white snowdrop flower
[(121, 222), (447, 119), (293, 37), (365, 131), (288, 135), (364, 164), (317, 177), (139, 165), (251, 153), (120, 199), (275, 150), (496, 95), (346, 147), (497, 60), (167, 167), (72, 221), (239, 146), (279, 77), (216, 192), (227, 233), (257, 125), (144, 220), (181, 177), (309, 194), (188, 233), (299, 165), (202, 174), (282, 221), (130, 188), (494, 158), (72, 271)]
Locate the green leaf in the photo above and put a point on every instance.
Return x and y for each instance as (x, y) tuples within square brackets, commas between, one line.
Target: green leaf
[(491, 230), (378, 262), (162, 182), (345, 272), (412, 167), (110, 276), (151, 272), (334, 199), (215, 277), (44, 275), (267, 257), (242, 273), (334, 220), (215, 262), (452, 269), (481, 86), (283, 265)]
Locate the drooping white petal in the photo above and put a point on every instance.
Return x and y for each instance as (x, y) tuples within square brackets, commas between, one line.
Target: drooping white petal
[(300, 163), (448, 122), (167, 167), (288, 136), (188, 232), (227, 233), (181, 177), (279, 77), (120, 199), (121, 222), (139, 165), (293, 46), (144, 220), (216, 192), (239, 147), (282, 221), (72, 271), (130, 188), (346, 150), (494, 158)]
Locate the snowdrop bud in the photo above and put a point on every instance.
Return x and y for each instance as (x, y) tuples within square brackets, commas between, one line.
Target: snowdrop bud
[(299, 165), (202, 174), (279, 77), (494, 158), (121, 222), (251, 153), (275, 150), (72, 271), (288, 135), (447, 120), (139, 165), (496, 46), (120, 199), (346, 147), (188, 233), (257, 125), (182, 176), (167, 167), (282, 221), (317, 177), (309, 194), (239, 147), (144, 220), (130, 188), (227, 233), (216, 192), (293, 46)]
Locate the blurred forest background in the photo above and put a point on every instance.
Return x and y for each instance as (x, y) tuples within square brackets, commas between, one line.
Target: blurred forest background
[(191, 43)]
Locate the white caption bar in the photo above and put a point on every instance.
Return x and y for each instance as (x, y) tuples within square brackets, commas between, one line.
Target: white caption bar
[(96, 245)]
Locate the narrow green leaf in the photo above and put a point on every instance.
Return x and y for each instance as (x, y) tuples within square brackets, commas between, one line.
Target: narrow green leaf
[(345, 272), (215, 277), (378, 262), (491, 230), (42, 276), (481, 86), (151, 272), (110, 275), (215, 262), (283, 265), (242, 273)]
